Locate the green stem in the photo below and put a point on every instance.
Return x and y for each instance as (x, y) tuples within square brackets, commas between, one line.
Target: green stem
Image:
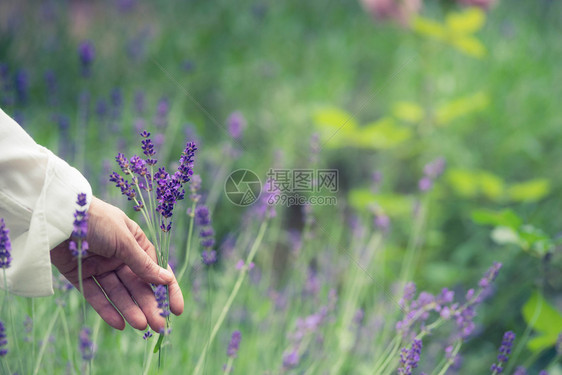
[(81, 282), (451, 360), (148, 363), (188, 245), (232, 296), (68, 344), (228, 366), (46, 340)]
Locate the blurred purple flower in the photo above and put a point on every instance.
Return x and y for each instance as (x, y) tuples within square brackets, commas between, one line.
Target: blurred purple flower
[(21, 81), (520, 370), (162, 109), (291, 359), (382, 222), (87, 53), (87, 348), (5, 246), (234, 344), (236, 124)]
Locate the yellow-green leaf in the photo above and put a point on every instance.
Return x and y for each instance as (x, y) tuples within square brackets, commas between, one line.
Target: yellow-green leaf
[(461, 107), (382, 134), (463, 181), (469, 45), (506, 218), (532, 190), (408, 111), (467, 22), (392, 204), (428, 27), (336, 127), (491, 185), (545, 319)]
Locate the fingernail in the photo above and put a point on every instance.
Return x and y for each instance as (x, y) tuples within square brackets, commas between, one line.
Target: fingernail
[(165, 274)]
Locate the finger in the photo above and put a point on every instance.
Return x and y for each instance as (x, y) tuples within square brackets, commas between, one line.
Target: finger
[(144, 296), (176, 296), (96, 298), (118, 294), (133, 255)]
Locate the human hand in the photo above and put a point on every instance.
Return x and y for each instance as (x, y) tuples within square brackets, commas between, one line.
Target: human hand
[(123, 261)]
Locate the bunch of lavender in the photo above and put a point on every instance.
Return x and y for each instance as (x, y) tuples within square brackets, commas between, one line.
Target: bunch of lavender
[(155, 193)]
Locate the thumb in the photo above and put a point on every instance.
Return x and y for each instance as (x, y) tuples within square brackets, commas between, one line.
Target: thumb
[(140, 262)]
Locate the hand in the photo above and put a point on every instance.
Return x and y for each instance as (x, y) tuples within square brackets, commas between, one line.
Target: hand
[(123, 261)]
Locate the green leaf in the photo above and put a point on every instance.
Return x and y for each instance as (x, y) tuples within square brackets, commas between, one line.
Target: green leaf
[(461, 107), (408, 111), (392, 204), (425, 26), (532, 190), (336, 127), (158, 343), (470, 45), (382, 134), (543, 318), (463, 181), (491, 185), (506, 218), (467, 22)]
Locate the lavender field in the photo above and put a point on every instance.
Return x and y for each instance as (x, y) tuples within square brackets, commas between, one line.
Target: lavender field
[(341, 187)]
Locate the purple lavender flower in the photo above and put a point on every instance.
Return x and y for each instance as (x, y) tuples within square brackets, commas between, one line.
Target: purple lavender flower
[(409, 358), (202, 216), (140, 102), (435, 168), (87, 348), (206, 234), (51, 83), (504, 351), (21, 81), (147, 335), (236, 124), (234, 344), (543, 372), (291, 359), (520, 370), (80, 230), (185, 170), (161, 294), (431, 172), (382, 222), (87, 53), (5, 246), (162, 109), (3, 340)]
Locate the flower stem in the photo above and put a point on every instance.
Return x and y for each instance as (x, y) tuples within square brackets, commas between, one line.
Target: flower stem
[(232, 296), (188, 245), (46, 340)]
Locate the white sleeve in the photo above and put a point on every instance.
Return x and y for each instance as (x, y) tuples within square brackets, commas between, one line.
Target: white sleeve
[(38, 193)]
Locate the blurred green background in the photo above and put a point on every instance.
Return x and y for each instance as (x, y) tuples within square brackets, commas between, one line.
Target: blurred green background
[(479, 88)]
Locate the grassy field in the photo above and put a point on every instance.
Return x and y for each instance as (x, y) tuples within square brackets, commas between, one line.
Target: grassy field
[(320, 85)]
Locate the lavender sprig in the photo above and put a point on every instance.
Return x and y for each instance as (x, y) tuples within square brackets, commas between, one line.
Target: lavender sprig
[(504, 351), (3, 340), (5, 246)]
